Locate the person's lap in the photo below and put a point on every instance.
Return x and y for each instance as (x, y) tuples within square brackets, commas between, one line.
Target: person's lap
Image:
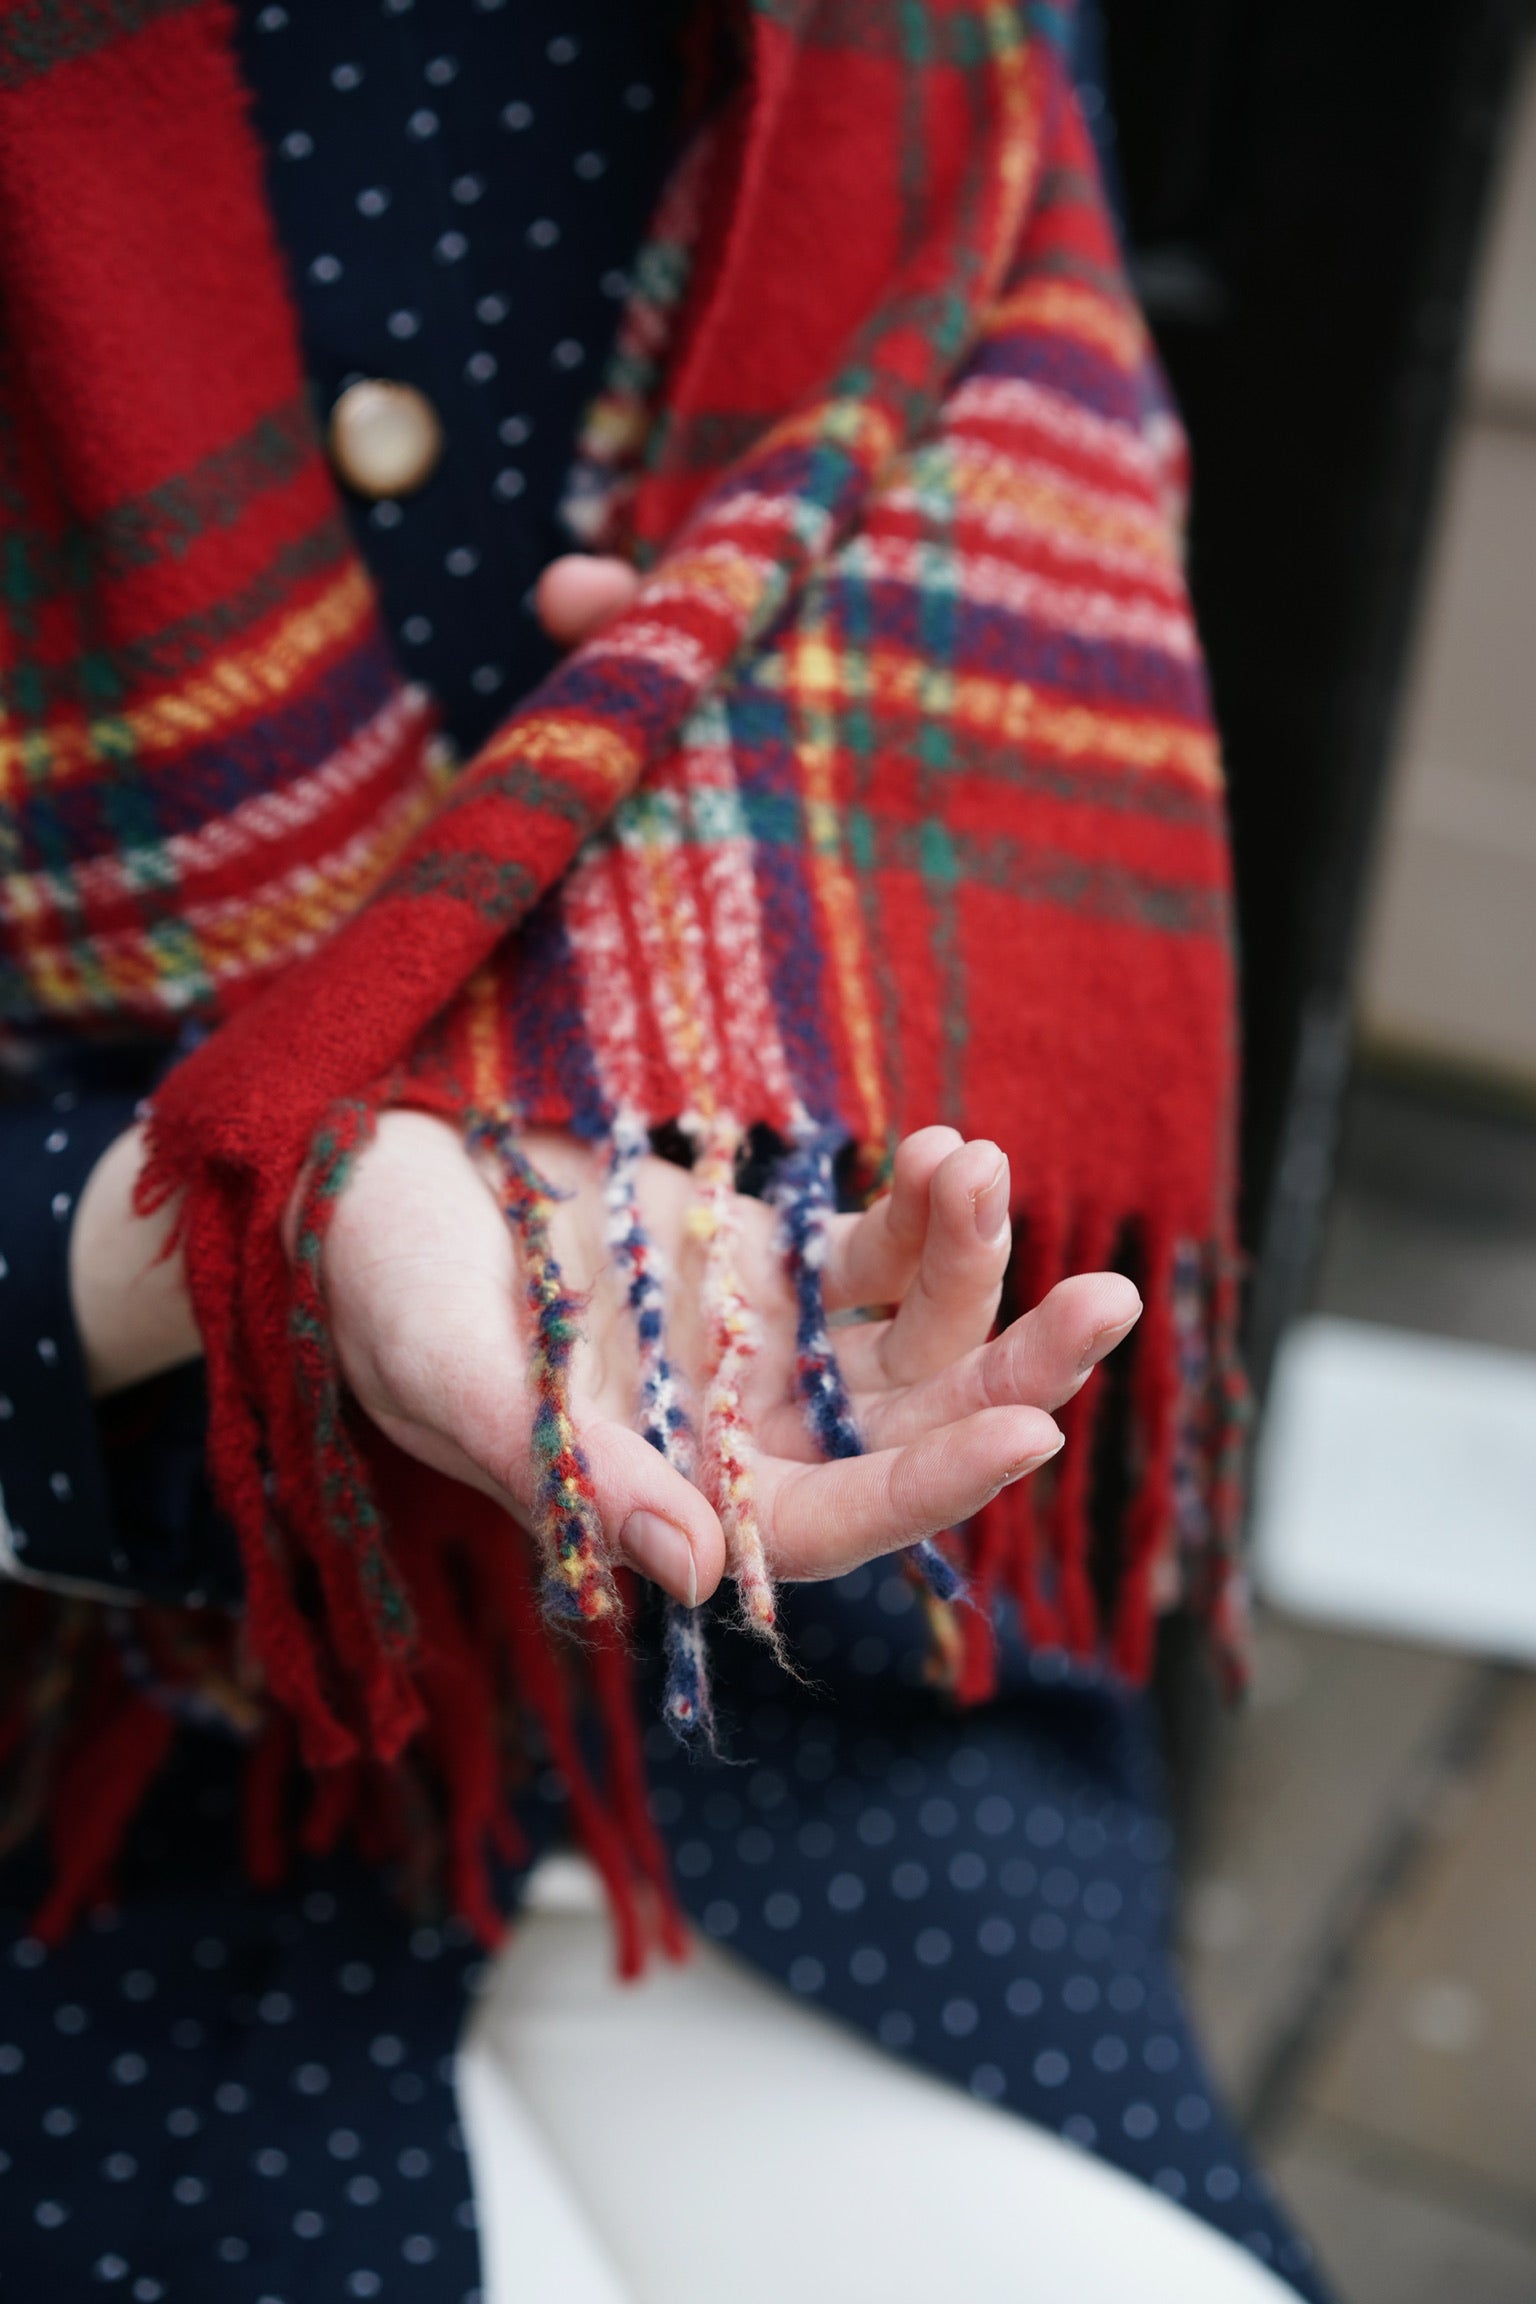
[(248, 2097), (699, 2135), (987, 1893)]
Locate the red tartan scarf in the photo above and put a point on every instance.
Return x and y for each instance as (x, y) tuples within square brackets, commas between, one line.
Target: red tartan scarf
[(894, 798)]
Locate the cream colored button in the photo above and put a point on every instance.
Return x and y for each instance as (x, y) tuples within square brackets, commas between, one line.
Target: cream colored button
[(385, 439)]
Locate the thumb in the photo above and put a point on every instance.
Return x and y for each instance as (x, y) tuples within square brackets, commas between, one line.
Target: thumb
[(581, 592), (651, 1516)]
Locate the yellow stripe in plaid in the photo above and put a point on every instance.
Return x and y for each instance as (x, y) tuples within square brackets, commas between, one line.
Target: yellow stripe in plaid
[(1009, 711), (230, 688), (488, 1067), (1068, 308), (553, 740), (172, 966), (1040, 500), (817, 688)]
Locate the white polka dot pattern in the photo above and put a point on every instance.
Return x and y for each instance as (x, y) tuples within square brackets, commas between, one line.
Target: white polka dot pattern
[(497, 169), (145, 2168), (988, 1897)]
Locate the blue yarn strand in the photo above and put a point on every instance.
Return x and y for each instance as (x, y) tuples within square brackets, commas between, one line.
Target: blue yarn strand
[(803, 1189), (663, 1420)]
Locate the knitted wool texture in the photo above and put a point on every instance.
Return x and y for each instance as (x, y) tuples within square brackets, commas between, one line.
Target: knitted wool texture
[(893, 798)]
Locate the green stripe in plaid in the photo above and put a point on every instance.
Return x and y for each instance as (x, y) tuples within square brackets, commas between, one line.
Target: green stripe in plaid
[(1036, 875), (968, 754), (880, 841), (101, 678), (524, 787), (163, 522), (495, 890), (906, 30), (40, 34)]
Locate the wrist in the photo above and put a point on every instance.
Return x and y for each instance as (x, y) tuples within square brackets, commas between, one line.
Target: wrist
[(132, 1311)]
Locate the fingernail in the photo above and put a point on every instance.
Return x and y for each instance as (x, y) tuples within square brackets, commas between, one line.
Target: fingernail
[(1033, 1463), (990, 1207), (1105, 1342), (662, 1552)]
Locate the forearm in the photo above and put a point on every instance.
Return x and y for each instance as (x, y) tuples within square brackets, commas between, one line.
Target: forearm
[(131, 1306), (57, 1517)]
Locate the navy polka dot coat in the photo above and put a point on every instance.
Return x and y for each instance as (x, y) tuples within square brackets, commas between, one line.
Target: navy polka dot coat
[(214, 2094)]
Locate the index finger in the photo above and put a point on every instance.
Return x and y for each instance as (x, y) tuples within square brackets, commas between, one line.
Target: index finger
[(872, 1258), (821, 1519)]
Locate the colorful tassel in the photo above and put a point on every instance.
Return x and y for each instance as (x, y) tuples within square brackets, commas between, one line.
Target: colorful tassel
[(663, 1419), (732, 1334), (686, 1701), (578, 1581)]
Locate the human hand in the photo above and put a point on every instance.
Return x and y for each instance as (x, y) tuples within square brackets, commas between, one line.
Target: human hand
[(426, 1310), (127, 1287)]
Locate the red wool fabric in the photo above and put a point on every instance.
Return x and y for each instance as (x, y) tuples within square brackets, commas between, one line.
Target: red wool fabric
[(897, 783)]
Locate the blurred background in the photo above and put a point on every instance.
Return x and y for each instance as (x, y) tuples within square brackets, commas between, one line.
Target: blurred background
[(1332, 215)]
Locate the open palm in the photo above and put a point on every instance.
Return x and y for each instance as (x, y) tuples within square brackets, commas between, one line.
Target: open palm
[(427, 1310)]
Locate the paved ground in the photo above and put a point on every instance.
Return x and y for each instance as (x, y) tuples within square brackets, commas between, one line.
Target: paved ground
[(1360, 1916)]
